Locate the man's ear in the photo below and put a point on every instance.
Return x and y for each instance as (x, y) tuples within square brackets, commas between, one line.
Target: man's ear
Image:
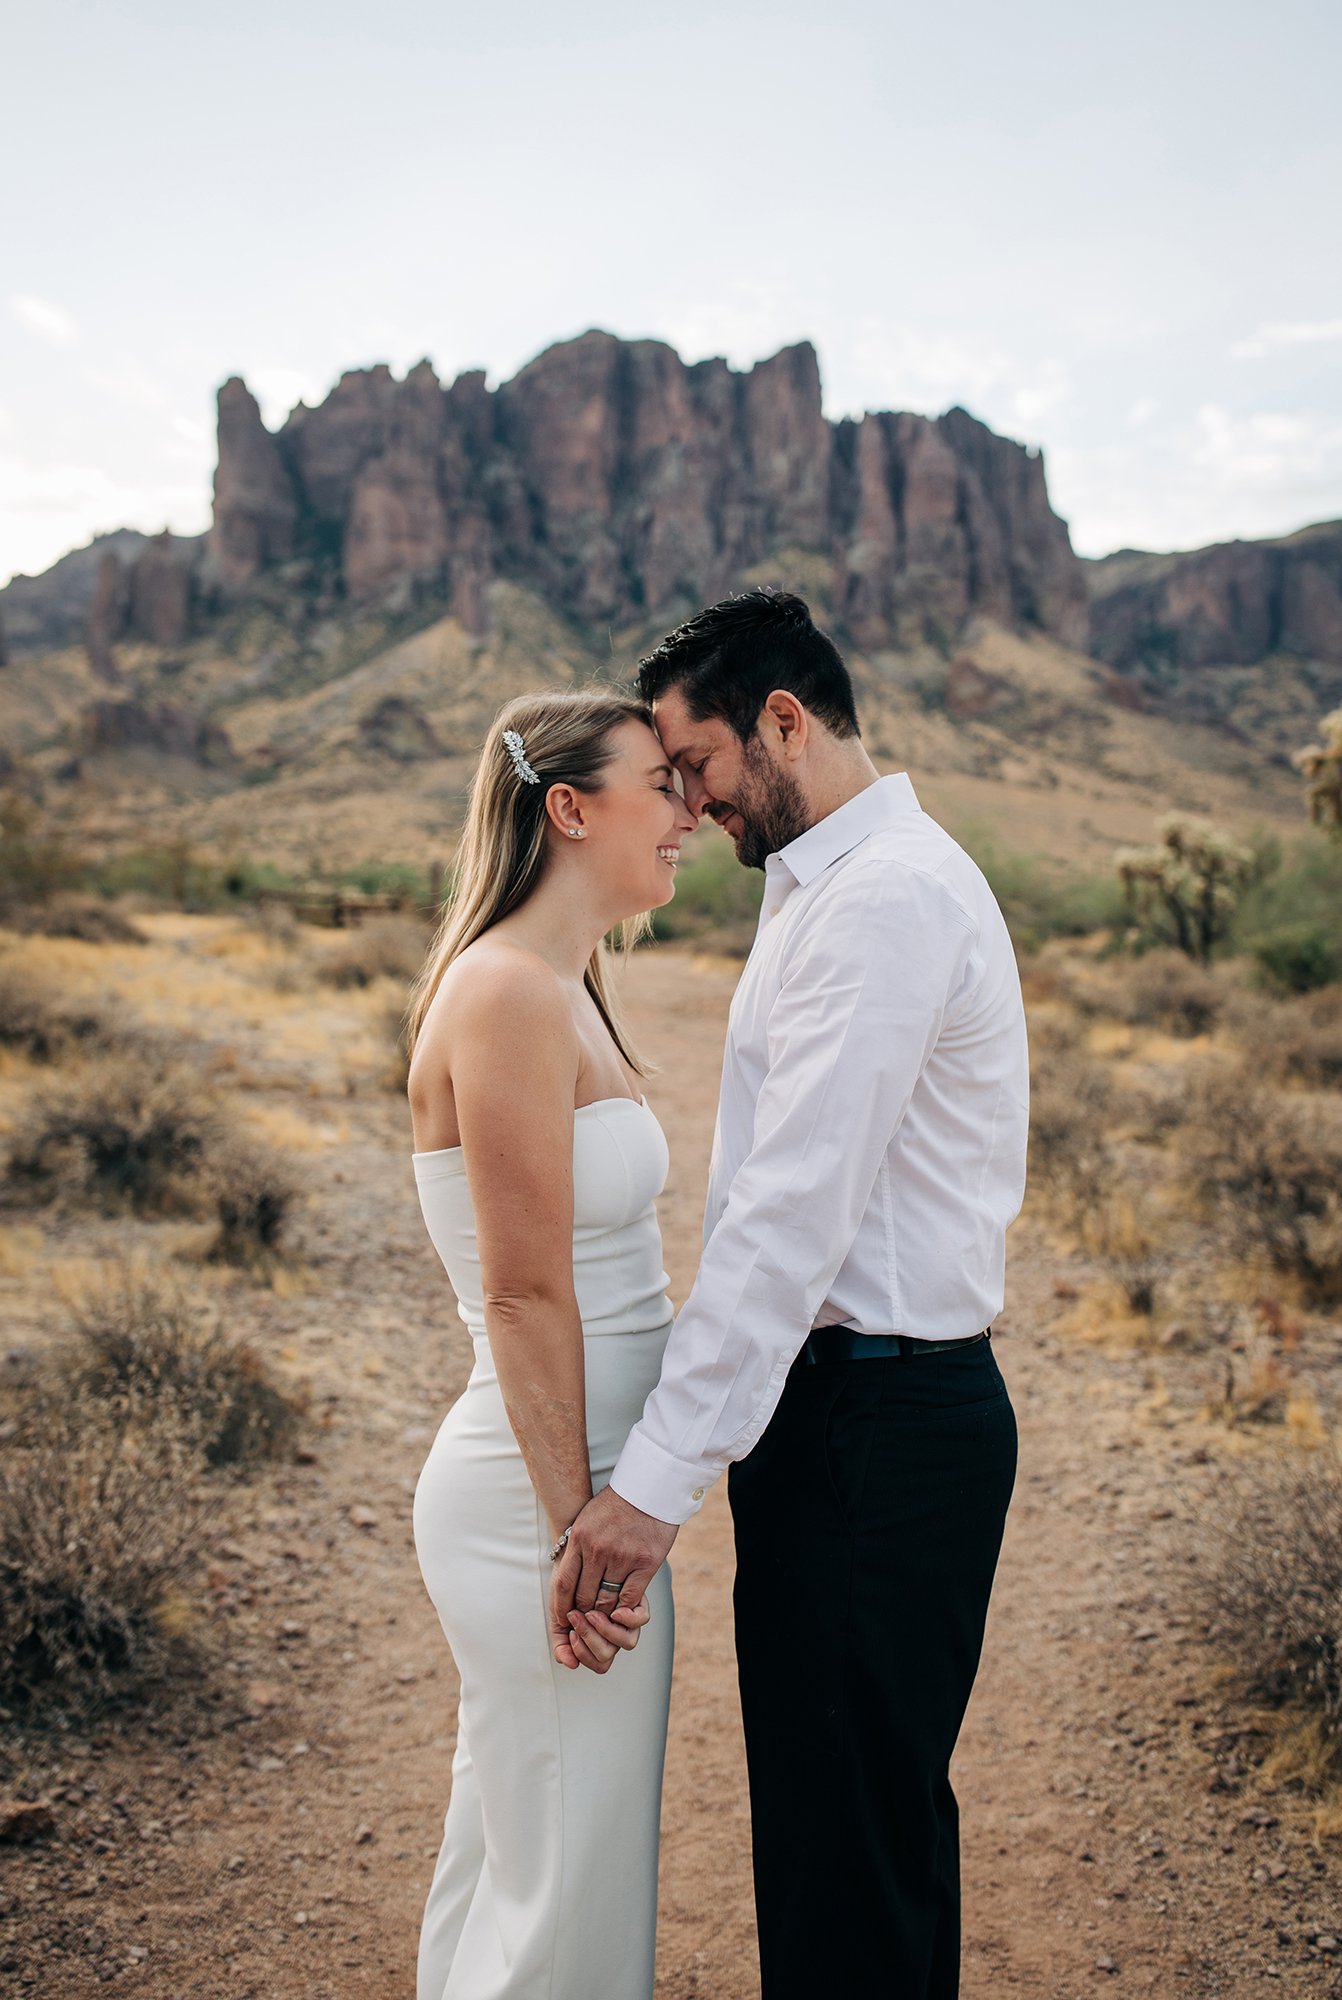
[(785, 719)]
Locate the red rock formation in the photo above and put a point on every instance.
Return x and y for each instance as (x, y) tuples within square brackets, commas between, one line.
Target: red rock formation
[(255, 507), (1229, 605), (160, 593), (107, 618), (162, 726), (622, 484)]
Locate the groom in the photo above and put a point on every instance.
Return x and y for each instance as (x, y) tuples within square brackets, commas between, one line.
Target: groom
[(869, 1155)]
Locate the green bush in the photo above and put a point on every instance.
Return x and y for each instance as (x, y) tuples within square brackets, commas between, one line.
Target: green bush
[(1299, 958), (1041, 901), (1296, 892)]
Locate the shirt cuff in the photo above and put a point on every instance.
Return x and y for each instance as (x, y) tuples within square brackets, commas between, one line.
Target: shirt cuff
[(670, 1489)]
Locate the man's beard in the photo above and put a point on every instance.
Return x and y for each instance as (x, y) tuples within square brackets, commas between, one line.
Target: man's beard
[(770, 805)]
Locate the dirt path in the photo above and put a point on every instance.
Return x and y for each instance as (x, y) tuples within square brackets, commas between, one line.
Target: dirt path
[(1109, 1829)]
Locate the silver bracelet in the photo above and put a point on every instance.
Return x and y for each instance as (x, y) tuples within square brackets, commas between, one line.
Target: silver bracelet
[(558, 1547)]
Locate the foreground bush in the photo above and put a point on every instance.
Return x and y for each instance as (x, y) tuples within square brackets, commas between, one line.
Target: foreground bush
[(148, 1350), (100, 1529), (253, 1193), (127, 1132), (1271, 1167), (1070, 1096), (37, 1018), (1298, 1040), (384, 948), (1159, 989), (133, 1131), (1271, 1573)]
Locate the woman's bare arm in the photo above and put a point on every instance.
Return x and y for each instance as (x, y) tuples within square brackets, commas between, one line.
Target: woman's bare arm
[(514, 1064)]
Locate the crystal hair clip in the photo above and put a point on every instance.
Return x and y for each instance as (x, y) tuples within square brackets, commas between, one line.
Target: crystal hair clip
[(516, 749)]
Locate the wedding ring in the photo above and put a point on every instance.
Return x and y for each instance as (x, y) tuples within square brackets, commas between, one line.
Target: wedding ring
[(608, 1583)]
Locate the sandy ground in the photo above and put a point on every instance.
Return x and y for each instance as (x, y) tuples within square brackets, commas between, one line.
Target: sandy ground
[(1114, 1827)]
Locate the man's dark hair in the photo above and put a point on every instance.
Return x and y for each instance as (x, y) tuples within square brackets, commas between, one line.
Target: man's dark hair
[(727, 661)]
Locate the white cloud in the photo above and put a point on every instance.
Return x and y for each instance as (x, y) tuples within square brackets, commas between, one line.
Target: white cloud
[(40, 316), (47, 509), (1286, 333), (902, 369), (1216, 475), (278, 389), (1142, 412), (127, 383)]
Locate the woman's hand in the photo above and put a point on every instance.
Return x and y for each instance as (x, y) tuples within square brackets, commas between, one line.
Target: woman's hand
[(594, 1639)]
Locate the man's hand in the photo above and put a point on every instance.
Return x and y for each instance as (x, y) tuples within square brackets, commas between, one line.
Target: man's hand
[(613, 1544)]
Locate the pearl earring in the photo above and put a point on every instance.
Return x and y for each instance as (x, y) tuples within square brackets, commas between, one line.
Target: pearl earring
[(576, 832)]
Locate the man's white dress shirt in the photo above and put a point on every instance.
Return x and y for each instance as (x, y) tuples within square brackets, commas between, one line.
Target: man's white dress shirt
[(870, 1143)]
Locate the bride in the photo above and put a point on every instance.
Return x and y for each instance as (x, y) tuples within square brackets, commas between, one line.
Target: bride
[(538, 1161)]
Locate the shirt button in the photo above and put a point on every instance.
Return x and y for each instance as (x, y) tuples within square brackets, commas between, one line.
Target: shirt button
[(698, 1493)]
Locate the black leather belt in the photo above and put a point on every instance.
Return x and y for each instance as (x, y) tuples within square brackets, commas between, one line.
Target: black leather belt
[(846, 1343)]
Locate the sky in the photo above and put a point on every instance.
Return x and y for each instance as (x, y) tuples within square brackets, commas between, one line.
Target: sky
[(1111, 233)]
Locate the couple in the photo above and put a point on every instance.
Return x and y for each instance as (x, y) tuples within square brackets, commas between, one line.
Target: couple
[(833, 1350)]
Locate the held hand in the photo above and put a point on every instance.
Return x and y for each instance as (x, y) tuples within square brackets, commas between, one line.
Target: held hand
[(610, 1542), (595, 1638)]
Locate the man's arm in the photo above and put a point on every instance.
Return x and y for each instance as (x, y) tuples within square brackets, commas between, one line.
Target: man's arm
[(866, 987)]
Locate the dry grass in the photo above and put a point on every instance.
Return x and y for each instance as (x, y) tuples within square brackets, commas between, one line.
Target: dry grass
[(100, 1527), (1070, 1099), (1270, 1566), (125, 1132), (1296, 1040), (387, 948), (254, 1194), (150, 1349), (38, 1019), (1270, 1169), (134, 1131)]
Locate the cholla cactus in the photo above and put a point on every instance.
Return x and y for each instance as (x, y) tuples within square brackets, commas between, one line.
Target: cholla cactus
[(1321, 766), (1192, 878)]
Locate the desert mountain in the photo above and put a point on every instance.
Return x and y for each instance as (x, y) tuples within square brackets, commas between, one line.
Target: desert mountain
[(313, 675)]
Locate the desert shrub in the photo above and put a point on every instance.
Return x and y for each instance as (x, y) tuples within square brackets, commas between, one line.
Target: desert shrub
[(1271, 1168), (1070, 1097), (1041, 901), (36, 1018), (35, 863), (100, 1529), (1269, 1567), (1301, 890), (1186, 887), (384, 948), (253, 1193), (149, 1350), (1299, 1040), (1299, 958), (128, 1131), (1162, 989), (82, 917), (173, 874)]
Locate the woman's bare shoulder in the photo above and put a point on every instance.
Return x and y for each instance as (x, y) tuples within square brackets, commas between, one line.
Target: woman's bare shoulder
[(495, 991)]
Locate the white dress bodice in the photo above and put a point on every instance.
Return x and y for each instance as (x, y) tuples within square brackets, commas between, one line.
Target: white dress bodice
[(620, 1164)]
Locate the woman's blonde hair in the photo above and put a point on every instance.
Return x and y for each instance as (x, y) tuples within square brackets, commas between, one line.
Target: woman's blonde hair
[(567, 738)]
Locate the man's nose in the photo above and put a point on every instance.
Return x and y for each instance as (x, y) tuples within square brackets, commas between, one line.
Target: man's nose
[(697, 794)]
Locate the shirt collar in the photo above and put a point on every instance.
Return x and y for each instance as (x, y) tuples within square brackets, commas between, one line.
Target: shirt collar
[(839, 832)]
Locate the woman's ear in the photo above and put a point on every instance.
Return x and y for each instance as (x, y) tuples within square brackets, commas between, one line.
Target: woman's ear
[(563, 807)]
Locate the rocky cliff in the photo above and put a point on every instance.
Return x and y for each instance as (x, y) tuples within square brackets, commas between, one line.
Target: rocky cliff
[(1229, 605), (623, 484)]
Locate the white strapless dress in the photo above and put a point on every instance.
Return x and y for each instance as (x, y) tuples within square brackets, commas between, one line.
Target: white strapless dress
[(545, 1886)]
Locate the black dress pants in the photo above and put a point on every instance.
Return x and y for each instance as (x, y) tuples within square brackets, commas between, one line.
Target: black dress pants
[(868, 1522)]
